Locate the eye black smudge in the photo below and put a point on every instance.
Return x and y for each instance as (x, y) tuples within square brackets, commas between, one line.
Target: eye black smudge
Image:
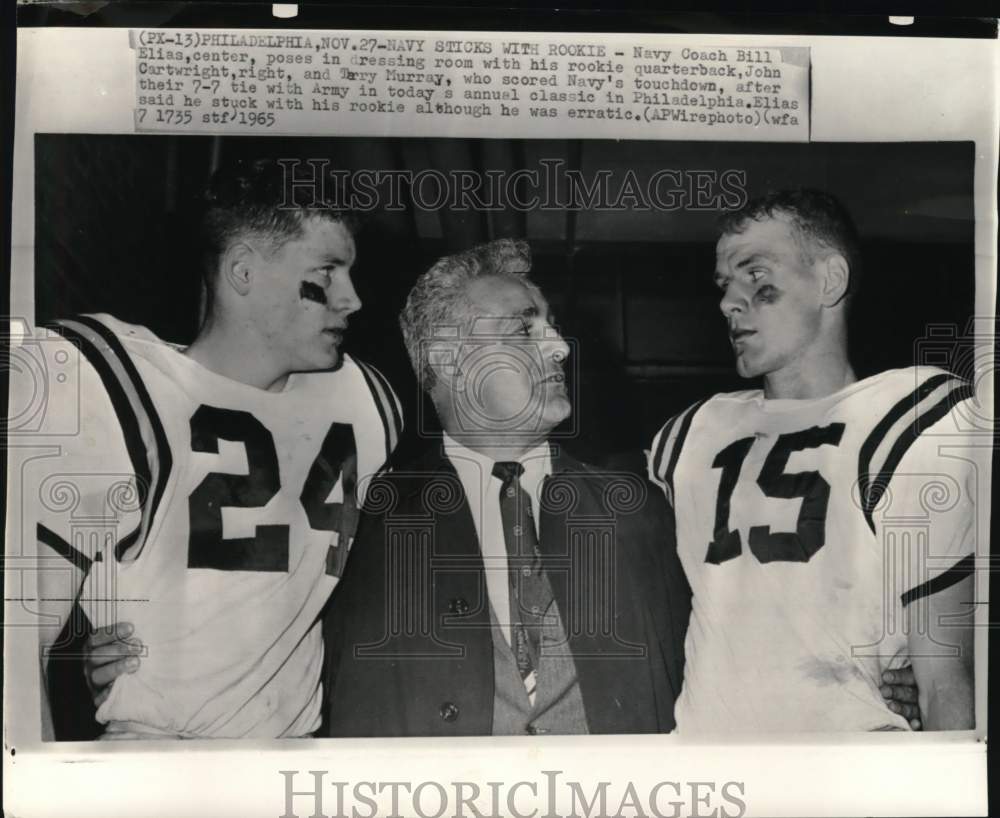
[(768, 294), (312, 292)]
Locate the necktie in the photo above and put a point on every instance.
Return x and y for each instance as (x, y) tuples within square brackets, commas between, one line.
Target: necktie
[(531, 594)]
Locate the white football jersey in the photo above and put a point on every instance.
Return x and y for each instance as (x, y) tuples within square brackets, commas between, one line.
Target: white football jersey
[(805, 527), (214, 516)]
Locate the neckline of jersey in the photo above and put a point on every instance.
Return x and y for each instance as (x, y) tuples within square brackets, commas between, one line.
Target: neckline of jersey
[(290, 381), (783, 404)]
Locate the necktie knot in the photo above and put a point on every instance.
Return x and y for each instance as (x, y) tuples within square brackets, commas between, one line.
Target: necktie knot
[(507, 470)]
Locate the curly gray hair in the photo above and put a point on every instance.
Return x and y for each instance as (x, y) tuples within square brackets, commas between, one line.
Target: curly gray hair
[(438, 298)]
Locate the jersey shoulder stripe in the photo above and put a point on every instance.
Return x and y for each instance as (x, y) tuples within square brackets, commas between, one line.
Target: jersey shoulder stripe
[(74, 555), (386, 402), (959, 571), (667, 447), (145, 437), (896, 432), (395, 407)]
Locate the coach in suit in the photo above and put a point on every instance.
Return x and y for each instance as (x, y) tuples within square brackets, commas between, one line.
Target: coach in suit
[(497, 585)]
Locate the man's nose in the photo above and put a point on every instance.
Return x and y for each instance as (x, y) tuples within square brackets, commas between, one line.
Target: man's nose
[(732, 302), (343, 297), (556, 345)]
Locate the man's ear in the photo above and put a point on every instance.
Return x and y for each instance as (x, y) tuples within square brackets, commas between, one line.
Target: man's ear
[(237, 267), (836, 279)]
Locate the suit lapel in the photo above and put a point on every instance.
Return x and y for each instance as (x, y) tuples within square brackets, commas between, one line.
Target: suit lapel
[(431, 494), (586, 578), (436, 491), (563, 495), (559, 501)]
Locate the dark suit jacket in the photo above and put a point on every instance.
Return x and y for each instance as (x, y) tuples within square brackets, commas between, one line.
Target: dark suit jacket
[(407, 633)]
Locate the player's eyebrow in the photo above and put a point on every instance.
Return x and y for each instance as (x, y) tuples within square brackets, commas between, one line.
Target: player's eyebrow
[(753, 258), (330, 258)]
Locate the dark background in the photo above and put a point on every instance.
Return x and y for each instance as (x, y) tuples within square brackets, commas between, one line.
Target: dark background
[(115, 221)]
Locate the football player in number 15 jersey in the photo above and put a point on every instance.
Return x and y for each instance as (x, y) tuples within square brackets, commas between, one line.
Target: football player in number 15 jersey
[(215, 489), (826, 525)]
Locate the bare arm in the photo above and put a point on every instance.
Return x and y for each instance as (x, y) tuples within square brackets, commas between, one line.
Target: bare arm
[(940, 625)]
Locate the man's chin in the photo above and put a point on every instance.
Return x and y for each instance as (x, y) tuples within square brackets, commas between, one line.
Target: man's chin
[(746, 368), (557, 409), (324, 361), (335, 361)]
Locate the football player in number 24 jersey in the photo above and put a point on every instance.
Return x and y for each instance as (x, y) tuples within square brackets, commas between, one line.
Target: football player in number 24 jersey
[(826, 524), (245, 455)]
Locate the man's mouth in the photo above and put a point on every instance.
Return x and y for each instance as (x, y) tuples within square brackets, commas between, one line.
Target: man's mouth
[(335, 333), (738, 334), (555, 377)]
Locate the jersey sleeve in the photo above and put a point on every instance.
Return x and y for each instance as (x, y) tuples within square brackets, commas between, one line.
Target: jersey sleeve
[(387, 403), (666, 449), (929, 519), (79, 494)]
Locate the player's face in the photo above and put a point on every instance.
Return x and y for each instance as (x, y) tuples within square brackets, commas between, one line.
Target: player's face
[(510, 367), (303, 296), (770, 296)]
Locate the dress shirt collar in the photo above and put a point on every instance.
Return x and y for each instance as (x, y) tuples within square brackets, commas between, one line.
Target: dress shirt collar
[(472, 466)]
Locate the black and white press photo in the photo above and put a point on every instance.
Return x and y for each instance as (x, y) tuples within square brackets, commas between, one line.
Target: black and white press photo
[(243, 563), (639, 459)]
